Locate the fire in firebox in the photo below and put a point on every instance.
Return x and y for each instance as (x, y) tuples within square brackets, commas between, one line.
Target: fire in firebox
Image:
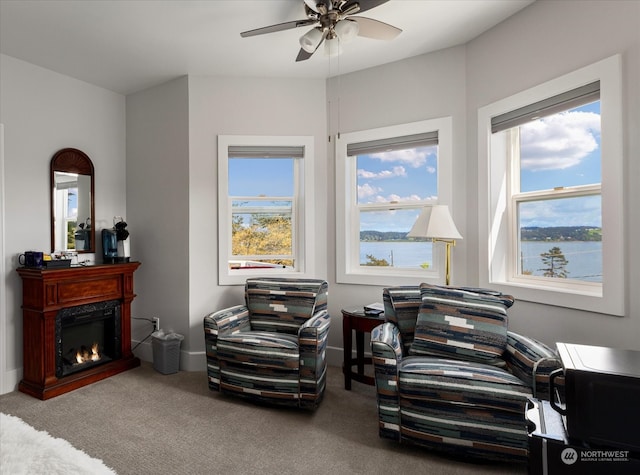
[(85, 355)]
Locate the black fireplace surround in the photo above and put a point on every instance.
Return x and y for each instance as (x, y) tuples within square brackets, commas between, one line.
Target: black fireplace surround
[(87, 336)]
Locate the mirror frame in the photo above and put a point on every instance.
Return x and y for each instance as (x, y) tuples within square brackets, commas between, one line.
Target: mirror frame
[(72, 160)]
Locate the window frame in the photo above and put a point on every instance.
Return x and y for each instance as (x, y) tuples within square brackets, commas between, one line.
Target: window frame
[(303, 209), (497, 220), (517, 197), (348, 268)]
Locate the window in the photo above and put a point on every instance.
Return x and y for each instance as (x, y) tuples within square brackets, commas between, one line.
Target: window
[(554, 169), (66, 206), (264, 206), (384, 178)]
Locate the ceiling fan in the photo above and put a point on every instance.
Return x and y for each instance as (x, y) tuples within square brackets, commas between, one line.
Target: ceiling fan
[(333, 24)]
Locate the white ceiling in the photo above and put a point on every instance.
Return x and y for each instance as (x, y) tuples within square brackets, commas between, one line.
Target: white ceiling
[(126, 46)]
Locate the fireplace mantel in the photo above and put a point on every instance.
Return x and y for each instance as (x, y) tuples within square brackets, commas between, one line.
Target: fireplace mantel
[(47, 291)]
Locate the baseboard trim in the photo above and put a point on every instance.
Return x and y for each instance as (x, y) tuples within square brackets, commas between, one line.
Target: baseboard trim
[(11, 380), (197, 360)]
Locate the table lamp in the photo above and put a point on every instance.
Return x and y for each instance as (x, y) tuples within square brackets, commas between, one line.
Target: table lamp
[(435, 222)]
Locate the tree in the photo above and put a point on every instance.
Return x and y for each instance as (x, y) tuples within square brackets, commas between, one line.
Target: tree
[(555, 263), (374, 261), (267, 234)]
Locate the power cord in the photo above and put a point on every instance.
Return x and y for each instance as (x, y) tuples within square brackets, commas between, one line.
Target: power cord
[(153, 322)]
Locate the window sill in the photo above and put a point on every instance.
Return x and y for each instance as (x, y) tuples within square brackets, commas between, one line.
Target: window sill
[(578, 296), (390, 277)]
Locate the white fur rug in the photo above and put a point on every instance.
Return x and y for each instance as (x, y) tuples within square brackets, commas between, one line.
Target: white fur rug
[(25, 450)]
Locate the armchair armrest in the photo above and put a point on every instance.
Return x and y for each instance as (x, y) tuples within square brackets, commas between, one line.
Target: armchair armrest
[(532, 361), (216, 324), (386, 352), (226, 321), (312, 340), (319, 322)]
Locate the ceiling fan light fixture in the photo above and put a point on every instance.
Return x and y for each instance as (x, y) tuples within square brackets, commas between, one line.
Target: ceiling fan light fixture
[(311, 39), (332, 46), (329, 24), (347, 30)]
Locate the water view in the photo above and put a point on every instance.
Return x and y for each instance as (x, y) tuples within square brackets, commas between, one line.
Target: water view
[(584, 258)]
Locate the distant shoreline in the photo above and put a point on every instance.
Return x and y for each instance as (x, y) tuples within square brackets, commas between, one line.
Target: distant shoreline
[(529, 233)]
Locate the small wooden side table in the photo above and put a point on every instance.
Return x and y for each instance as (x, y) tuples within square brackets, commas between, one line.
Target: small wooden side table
[(354, 319)]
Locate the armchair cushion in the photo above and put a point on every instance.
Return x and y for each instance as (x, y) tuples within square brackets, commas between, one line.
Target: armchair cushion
[(281, 305), (267, 349), (457, 323), (467, 383)]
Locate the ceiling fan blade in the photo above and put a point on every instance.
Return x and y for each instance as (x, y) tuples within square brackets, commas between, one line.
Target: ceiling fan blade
[(279, 27), (364, 4), (370, 28), (303, 55)]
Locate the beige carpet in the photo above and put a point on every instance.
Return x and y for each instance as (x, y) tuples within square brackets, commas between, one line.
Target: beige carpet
[(143, 422)]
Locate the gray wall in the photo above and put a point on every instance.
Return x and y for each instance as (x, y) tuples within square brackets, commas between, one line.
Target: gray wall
[(419, 88), (158, 206), (172, 188)]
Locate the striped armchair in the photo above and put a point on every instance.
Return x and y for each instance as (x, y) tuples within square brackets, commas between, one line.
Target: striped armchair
[(273, 348), (450, 376)]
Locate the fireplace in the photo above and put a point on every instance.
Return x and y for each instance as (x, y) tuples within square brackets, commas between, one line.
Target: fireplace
[(87, 336), (76, 326)]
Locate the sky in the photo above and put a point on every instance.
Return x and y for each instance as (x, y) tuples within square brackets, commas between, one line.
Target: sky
[(559, 150), (72, 203), (562, 150), (403, 176), (259, 176)]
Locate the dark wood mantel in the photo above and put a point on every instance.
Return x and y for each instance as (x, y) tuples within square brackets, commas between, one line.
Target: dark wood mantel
[(47, 291)]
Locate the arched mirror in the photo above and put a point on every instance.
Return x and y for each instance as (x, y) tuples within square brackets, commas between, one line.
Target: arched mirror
[(72, 206)]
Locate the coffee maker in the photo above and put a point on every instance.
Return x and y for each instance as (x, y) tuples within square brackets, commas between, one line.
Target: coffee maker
[(115, 242), (109, 246)]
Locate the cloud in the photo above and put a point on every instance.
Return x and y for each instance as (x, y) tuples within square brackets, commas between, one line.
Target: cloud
[(559, 141), (579, 211), (372, 194), (395, 171), (367, 191), (413, 157), (398, 198)]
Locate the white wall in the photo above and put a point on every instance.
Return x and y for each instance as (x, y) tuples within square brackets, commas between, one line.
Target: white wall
[(42, 112), (542, 42)]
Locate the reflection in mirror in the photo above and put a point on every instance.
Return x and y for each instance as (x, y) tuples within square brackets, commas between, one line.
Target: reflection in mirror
[(72, 203)]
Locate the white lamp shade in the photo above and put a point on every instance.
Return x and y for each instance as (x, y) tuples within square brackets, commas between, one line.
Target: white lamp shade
[(435, 222), (347, 30), (311, 39)]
